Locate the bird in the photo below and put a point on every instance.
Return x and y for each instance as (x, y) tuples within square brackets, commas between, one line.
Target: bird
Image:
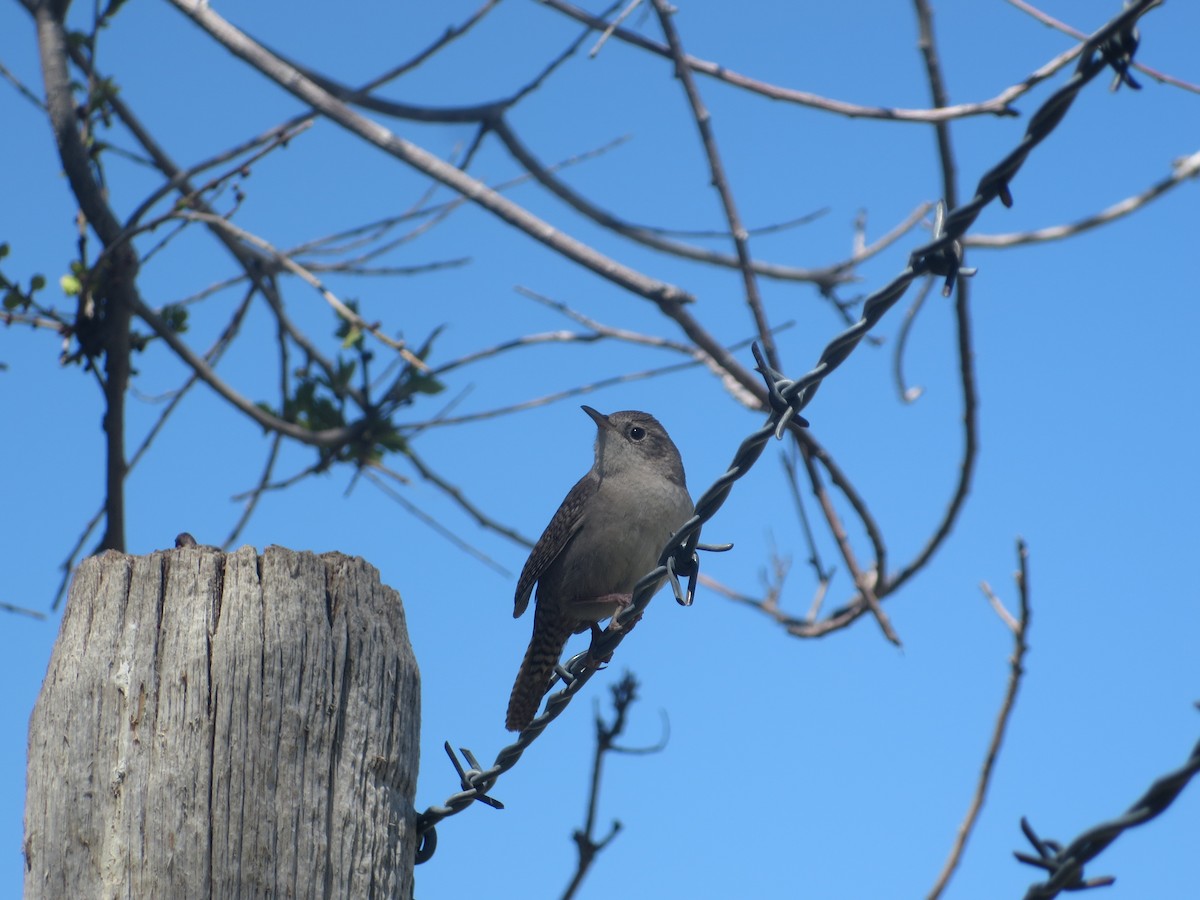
[(607, 533)]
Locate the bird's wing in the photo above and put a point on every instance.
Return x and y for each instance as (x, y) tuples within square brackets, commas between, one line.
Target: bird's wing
[(558, 534)]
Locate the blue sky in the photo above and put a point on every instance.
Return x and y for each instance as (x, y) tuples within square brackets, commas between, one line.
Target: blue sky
[(834, 768)]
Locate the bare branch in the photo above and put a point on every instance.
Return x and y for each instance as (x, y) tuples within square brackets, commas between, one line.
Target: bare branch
[(811, 447), (21, 88), (295, 268), (865, 580), (667, 296), (962, 317), (260, 146), (1000, 105), (908, 394), (1182, 169), (826, 278), (1019, 628), (22, 610), (624, 694), (625, 13), (451, 34), (861, 254), (557, 396), (773, 228), (602, 330), (455, 493), (118, 276), (1054, 23), (822, 574), (432, 523), (703, 120), (8, 317), (329, 437), (768, 604)]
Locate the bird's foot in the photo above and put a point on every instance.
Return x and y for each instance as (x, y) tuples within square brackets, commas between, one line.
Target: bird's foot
[(621, 601), (592, 661)]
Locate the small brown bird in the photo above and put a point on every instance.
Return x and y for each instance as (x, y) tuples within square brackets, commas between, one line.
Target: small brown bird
[(607, 534)]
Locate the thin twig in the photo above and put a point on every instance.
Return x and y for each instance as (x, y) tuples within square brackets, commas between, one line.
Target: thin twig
[(251, 499), (720, 181), (669, 298), (309, 278), (259, 146), (620, 334), (607, 33), (865, 580), (1182, 170), (20, 87), (455, 493), (768, 603), (908, 394), (759, 231), (432, 523), (826, 277), (814, 554), (1019, 628), (1000, 105), (624, 694), (328, 437), (452, 33), (554, 397), (212, 355), (21, 610), (962, 317), (1054, 23), (811, 447)]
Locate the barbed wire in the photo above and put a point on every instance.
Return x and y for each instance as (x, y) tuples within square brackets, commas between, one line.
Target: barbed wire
[(1112, 45), (1066, 865)]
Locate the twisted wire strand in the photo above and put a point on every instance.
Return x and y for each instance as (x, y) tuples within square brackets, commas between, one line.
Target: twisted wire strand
[(1112, 45), (1066, 865)]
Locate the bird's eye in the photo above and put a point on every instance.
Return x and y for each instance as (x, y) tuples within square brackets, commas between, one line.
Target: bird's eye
[(637, 432)]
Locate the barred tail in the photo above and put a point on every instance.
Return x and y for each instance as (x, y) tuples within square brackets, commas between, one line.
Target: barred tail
[(550, 633)]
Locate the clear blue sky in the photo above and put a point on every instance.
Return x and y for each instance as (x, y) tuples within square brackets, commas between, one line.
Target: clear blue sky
[(837, 768)]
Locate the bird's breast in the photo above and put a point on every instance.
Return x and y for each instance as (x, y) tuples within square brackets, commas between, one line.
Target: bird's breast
[(624, 530)]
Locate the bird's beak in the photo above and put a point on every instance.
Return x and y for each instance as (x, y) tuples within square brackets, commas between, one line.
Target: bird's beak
[(599, 418)]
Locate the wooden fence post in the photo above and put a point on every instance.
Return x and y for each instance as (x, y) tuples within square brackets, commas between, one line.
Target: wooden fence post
[(225, 725)]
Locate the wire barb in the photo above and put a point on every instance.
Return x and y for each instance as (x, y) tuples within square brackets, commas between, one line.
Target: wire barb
[(787, 398), (945, 260), (467, 777), (1118, 52), (692, 571), (1065, 865)]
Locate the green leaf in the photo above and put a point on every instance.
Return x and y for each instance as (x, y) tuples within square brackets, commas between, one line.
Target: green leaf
[(426, 384), (71, 286), (350, 333), (176, 318), (393, 442), (36, 283), (343, 374), (13, 300)]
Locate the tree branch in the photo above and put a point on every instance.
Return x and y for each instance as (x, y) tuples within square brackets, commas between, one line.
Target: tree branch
[(1019, 628), (1000, 105), (703, 120)]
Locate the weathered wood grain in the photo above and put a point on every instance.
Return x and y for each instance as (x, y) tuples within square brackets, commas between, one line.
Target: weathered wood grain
[(225, 725)]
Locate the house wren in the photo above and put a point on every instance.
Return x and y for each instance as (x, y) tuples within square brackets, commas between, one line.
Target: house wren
[(607, 534)]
